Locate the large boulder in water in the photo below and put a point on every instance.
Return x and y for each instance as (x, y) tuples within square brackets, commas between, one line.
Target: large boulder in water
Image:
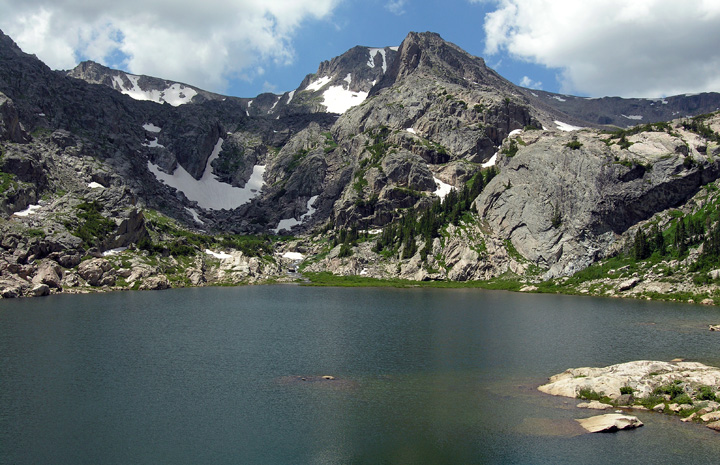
[(609, 423)]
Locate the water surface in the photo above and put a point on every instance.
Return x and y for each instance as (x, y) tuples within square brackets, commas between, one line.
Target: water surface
[(212, 375)]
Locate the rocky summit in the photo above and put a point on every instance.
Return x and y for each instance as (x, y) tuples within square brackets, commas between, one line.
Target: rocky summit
[(414, 161)]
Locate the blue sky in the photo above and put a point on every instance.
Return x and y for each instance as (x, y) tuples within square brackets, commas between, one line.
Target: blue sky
[(629, 48)]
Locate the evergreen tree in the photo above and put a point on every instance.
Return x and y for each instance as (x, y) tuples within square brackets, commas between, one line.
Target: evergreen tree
[(641, 247)]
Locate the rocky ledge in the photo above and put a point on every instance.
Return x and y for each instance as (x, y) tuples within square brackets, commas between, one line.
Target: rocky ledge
[(686, 389)]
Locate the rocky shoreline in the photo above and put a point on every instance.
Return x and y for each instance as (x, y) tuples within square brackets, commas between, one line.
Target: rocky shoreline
[(686, 389)]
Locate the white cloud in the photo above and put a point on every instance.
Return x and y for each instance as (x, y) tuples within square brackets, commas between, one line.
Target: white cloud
[(613, 47), (530, 84), (396, 6), (200, 43)]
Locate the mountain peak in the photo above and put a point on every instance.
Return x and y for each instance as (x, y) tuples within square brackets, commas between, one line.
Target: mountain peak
[(427, 53)]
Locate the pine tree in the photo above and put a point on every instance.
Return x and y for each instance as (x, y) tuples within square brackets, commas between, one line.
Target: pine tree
[(641, 247)]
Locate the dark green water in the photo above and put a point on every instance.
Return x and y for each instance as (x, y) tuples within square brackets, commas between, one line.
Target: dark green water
[(210, 376)]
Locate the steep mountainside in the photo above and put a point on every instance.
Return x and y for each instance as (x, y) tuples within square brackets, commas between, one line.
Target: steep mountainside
[(359, 162)]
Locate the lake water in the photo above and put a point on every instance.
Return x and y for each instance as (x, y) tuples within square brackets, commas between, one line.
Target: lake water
[(212, 376)]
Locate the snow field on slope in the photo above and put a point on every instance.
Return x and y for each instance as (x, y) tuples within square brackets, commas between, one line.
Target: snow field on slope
[(175, 95), (288, 223), (208, 191)]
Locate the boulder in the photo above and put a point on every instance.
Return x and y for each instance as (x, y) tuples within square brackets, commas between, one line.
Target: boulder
[(712, 416), (595, 405), (50, 274), (625, 399), (93, 272), (628, 284), (11, 287), (40, 290), (155, 283), (609, 423), (714, 425)]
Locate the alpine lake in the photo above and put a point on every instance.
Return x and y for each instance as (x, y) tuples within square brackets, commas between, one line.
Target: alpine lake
[(421, 376)]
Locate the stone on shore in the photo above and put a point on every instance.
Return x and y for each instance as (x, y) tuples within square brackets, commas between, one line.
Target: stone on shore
[(609, 423), (595, 405), (714, 425), (712, 417)]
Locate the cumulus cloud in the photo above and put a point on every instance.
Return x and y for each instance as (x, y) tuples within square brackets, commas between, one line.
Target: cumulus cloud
[(530, 84), (642, 48), (200, 43), (396, 6)]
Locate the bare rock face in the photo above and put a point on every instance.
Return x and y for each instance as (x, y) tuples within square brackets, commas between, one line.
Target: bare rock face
[(10, 127), (609, 423), (563, 199)]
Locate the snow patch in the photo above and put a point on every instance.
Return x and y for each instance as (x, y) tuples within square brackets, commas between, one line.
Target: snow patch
[(443, 189), (153, 144), (175, 95), (515, 132), (293, 255), (395, 49), (95, 185), (149, 127), (566, 127), (635, 117), (195, 215), (319, 83), (348, 78), (291, 94), (111, 252), (274, 104), (30, 210), (339, 100), (209, 192), (411, 130), (491, 161), (220, 255), (558, 98), (373, 54), (289, 223)]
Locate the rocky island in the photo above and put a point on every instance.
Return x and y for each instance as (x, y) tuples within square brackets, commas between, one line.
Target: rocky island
[(686, 389)]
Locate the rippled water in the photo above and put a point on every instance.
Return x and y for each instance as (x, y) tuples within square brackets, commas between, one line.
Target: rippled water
[(213, 375)]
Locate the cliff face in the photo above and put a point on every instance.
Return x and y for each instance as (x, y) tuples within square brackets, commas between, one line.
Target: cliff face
[(563, 200)]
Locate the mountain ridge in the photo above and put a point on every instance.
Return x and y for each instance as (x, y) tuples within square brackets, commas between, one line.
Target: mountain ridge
[(409, 124)]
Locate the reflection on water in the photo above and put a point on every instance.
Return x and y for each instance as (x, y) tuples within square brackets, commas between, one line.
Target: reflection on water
[(421, 376)]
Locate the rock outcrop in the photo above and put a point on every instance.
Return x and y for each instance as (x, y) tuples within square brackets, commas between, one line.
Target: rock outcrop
[(563, 200), (642, 376), (609, 423)]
